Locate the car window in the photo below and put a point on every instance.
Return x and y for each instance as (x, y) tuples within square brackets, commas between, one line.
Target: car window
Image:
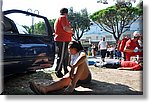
[(27, 24), (21, 29)]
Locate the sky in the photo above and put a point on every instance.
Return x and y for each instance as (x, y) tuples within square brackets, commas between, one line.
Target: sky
[(50, 8)]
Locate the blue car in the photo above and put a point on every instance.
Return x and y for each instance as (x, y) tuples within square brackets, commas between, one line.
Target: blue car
[(25, 49)]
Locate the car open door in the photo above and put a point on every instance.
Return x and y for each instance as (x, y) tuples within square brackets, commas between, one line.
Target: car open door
[(23, 48)]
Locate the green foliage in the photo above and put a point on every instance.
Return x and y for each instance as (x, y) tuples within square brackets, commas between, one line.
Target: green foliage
[(79, 21), (115, 19), (52, 21), (40, 28)]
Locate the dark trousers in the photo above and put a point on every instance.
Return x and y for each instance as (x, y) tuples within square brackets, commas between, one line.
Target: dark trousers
[(103, 53), (62, 56), (112, 65)]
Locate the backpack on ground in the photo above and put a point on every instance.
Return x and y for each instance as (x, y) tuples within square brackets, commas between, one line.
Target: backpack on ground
[(122, 43)]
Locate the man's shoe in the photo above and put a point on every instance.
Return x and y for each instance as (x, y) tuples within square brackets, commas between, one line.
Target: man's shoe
[(66, 72), (59, 74)]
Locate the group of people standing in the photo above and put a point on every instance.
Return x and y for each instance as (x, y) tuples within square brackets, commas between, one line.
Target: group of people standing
[(103, 48), (132, 47)]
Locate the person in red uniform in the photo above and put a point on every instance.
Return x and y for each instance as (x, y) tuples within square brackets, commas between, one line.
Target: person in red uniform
[(62, 36), (132, 47)]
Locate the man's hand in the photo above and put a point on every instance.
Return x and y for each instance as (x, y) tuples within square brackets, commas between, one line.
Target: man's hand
[(69, 29)]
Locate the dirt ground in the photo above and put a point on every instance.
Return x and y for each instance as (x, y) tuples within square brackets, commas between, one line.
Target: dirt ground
[(105, 81)]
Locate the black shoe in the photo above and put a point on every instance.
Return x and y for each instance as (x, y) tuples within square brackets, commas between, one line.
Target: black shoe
[(66, 72), (59, 74)]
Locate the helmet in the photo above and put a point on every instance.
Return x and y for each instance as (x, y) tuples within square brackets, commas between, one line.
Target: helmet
[(136, 34)]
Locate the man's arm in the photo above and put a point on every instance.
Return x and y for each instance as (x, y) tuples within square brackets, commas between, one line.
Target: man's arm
[(68, 29), (66, 25), (99, 46), (126, 49)]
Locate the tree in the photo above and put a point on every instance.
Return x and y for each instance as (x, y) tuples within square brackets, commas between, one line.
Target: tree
[(52, 21), (117, 19), (80, 22), (39, 28), (140, 4)]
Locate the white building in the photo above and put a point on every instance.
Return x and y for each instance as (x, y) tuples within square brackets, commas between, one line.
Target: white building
[(95, 33)]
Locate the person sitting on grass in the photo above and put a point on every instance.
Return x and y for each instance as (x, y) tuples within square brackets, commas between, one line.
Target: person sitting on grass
[(79, 72)]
